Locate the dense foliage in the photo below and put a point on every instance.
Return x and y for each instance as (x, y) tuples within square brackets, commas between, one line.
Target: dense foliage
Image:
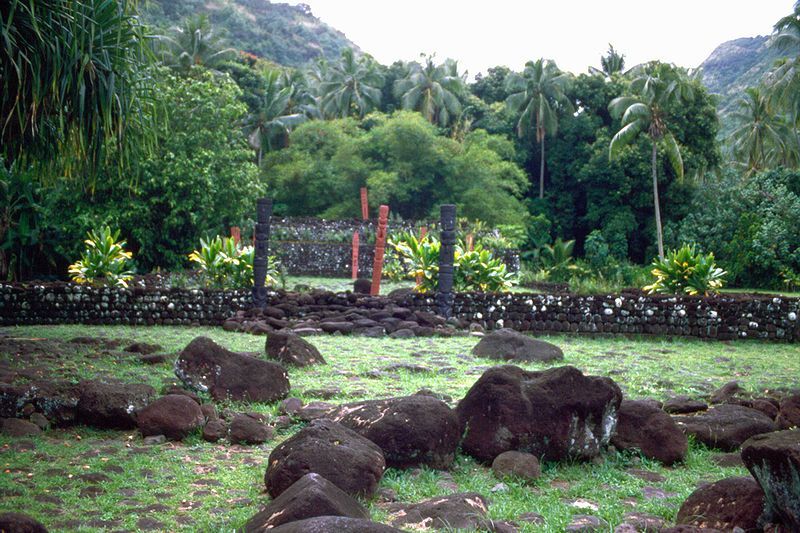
[(686, 271), (104, 260)]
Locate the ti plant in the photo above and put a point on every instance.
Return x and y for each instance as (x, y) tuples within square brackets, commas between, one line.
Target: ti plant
[(104, 260), (225, 263), (688, 271)]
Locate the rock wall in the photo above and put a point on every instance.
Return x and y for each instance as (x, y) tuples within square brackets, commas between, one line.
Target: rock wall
[(722, 317)]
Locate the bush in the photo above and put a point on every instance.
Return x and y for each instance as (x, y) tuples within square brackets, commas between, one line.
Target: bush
[(104, 261), (686, 270), (224, 263)]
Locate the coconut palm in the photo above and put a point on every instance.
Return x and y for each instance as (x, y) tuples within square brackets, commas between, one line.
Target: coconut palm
[(350, 87), (432, 90), (74, 81), (195, 43), (656, 88), (537, 95), (758, 141), (272, 120), (783, 80), (611, 63)]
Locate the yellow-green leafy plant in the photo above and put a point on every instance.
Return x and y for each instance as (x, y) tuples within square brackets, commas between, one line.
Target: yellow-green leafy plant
[(226, 263), (686, 270), (104, 261)]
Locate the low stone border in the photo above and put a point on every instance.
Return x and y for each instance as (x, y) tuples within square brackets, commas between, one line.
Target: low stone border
[(720, 317)]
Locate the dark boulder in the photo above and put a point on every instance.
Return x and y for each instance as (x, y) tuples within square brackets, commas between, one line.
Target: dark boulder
[(510, 345), (789, 413), (726, 393), (20, 523), (342, 456), (288, 348), (774, 460), (15, 427), (516, 464), (643, 426), (362, 286), (466, 510), (680, 405), (175, 416), (143, 348), (245, 429), (215, 430), (334, 524), (112, 405), (725, 426), (411, 431), (56, 400), (311, 495), (553, 414), (726, 504), (205, 366)]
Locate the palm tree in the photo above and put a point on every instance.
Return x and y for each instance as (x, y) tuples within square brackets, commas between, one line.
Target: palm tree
[(74, 81), (538, 94), (783, 80), (351, 86), (195, 43), (272, 119), (657, 88), (758, 142), (432, 90)]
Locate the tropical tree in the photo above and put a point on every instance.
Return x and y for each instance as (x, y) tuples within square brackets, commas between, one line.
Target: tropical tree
[(193, 44), (350, 87), (537, 95), (611, 63), (432, 90), (74, 83), (656, 88), (272, 119), (758, 141), (784, 79)]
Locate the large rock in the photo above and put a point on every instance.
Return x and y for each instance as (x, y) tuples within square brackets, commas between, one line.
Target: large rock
[(522, 465), (56, 400), (245, 429), (681, 405), (789, 413), (175, 416), (15, 427), (725, 426), (510, 345), (641, 425), (334, 524), (726, 504), (774, 460), (205, 366), (342, 456), (311, 495), (290, 349), (455, 511), (112, 405), (20, 523), (554, 414), (412, 430)]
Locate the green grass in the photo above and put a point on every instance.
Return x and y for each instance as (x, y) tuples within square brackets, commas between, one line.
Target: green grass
[(643, 367)]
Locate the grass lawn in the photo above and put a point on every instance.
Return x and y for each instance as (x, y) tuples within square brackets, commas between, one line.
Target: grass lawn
[(198, 486)]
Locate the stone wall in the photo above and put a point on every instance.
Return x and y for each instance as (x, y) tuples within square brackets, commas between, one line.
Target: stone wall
[(723, 317)]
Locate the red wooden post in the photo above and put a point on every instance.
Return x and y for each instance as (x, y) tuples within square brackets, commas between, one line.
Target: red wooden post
[(364, 204), (380, 247), (422, 232), (236, 233), (355, 255), (470, 242)]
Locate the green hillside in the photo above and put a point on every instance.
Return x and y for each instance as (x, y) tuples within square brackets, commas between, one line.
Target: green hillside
[(285, 34)]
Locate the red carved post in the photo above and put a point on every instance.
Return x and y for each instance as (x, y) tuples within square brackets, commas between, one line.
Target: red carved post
[(470, 242), (355, 255), (364, 204), (380, 247), (422, 232), (236, 233)]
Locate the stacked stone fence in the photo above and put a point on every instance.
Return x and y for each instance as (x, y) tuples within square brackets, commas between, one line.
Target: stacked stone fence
[(722, 317)]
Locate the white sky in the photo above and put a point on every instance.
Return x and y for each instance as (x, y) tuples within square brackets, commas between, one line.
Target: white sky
[(482, 34)]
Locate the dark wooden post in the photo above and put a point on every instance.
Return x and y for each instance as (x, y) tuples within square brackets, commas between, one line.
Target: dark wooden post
[(380, 247), (444, 290), (260, 258), (364, 204), (355, 255)]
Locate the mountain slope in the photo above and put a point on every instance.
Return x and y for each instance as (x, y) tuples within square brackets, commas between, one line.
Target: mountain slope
[(285, 34), (736, 65)]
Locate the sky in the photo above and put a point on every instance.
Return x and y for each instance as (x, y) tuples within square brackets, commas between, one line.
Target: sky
[(574, 33)]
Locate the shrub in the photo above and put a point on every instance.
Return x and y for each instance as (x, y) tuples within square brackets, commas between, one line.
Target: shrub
[(224, 263), (103, 261), (686, 270)]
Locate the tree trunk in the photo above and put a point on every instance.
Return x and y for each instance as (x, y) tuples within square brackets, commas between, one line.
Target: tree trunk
[(541, 173), (658, 209)]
